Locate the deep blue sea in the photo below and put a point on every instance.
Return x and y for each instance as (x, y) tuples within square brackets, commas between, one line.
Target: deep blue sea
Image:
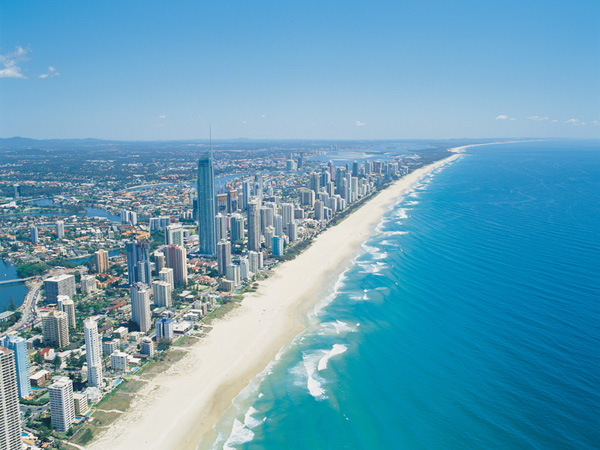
[(470, 321)]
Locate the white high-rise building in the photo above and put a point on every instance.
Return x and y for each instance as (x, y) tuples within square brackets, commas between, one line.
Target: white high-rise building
[(245, 268), (221, 226), (162, 293), (174, 235), (166, 274), (10, 416), (68, 307), (140, 306), (62, 405), (232, 273), (287, 215), (93, 352), (255, 261)]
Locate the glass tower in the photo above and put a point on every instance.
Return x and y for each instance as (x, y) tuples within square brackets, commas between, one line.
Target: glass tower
[(206, 206)]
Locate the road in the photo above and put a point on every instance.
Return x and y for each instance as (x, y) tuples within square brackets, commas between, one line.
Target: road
[(28, 308)]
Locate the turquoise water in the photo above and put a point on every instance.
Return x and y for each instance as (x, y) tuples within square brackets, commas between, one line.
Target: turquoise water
[(470, 321)]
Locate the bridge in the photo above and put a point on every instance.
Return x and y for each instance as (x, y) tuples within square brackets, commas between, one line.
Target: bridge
[(15, 281)]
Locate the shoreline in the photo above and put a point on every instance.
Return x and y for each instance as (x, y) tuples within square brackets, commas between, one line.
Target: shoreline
[(179, 407)]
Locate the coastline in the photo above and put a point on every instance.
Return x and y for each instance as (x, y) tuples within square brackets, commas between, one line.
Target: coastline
[(177, 408)]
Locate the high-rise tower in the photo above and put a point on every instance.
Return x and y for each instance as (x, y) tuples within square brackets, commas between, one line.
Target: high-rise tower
[(206, 206), (253, 226), (19, 346), (93, 352), (10, 416)]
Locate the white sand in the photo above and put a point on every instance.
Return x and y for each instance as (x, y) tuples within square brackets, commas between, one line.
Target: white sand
[(178, 407)]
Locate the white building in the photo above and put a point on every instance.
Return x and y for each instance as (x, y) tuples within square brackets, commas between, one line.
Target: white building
[(162, 293), (119, 361), (10, 417), (166, 274), (62, 406), (140, 306), (93, 352)]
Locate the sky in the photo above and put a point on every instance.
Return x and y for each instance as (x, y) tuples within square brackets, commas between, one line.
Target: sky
[(162, 70)]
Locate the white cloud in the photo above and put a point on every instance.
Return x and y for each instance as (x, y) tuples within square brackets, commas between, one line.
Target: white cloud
[(502, 117), (244, 122), (51, 73), (162, 116), (555, 121), (595, 122), (538, 118), (11, 62), (358, 123), (575, 122), (263, 116)]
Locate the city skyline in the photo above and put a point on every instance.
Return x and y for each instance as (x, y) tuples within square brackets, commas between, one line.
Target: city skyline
[(385, 70)]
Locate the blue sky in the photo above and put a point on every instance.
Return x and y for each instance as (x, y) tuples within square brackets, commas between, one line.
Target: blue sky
[(312, 69)]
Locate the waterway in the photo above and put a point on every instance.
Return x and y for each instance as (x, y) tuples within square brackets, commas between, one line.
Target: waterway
[(18, 291)]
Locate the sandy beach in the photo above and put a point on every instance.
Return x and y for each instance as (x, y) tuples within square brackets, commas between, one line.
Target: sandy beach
[(178, 407)]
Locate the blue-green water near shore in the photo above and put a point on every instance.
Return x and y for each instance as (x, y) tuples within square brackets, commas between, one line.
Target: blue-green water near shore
[(470, 321)]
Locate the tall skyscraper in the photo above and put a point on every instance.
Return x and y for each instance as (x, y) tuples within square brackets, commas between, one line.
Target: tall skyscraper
[(62, 405), (101, 257), (221, 226), (166, 274), (60, 285), (174, 234), (60, 229), (253, 226), (19, 346), (140, 306), (176, 259), (93, 352), (207, 209), (10, 416), (164, 329), (162, 293), (237, 229), (55, 328), (223, 256), (33, 233), (138, 265), (258, 189), (68, 306)]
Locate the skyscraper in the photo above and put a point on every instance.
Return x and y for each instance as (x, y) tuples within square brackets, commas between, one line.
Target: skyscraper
[(140, 306), (10, 416), (138, 265), (166, 274), (55, 328), (174, 234), (33, 232), (60, 229), (253, 226), (19, 346), (60, 285), (206, 206), (93, 352), (62, 405), (223, 256), (162, 293), (237, 229), (101, 257), (176, 259)]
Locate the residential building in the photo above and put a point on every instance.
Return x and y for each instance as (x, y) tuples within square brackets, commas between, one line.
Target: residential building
[(206, 206), (140, 306), (162, 293), (101, 258), (60, 229), (55, 328), (93, 352), (59, 285), (138, 265), (223, 256), (164, 329), (19, 346), (10, 416), (62, 405), (253, 226), (166, 274), (176, 259)]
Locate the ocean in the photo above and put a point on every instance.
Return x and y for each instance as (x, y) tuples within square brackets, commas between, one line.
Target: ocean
[(470, 320)]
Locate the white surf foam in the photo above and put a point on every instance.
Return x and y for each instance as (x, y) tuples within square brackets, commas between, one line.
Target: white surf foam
[(337, 349), (240, 434)]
